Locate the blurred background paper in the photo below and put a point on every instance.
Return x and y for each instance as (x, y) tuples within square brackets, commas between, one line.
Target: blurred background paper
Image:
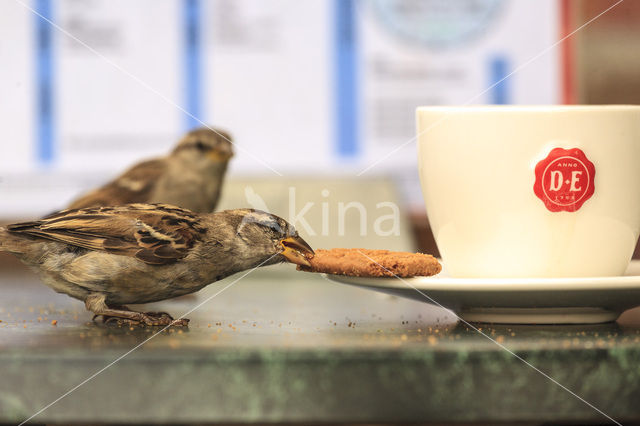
[(307, 88)]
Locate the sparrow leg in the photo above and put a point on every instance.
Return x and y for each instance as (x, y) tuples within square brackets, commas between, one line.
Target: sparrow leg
[(96, 303)]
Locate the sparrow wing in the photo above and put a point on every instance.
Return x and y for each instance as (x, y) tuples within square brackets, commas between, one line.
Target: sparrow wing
[(133, 186), (156, 234)]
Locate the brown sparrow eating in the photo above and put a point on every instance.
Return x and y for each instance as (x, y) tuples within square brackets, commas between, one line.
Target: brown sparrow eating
[(138, 253)]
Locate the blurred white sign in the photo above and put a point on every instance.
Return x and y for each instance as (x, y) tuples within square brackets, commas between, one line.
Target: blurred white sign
[(315, 87)]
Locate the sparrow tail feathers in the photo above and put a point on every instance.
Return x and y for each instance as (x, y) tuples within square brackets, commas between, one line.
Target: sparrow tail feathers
[(8, 242)]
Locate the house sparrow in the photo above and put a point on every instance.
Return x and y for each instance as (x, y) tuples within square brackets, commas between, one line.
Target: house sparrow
[(140, 253), (190, 176)]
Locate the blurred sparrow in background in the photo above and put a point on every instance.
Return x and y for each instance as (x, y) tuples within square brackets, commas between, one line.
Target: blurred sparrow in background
[(140, 253), (191, 176)]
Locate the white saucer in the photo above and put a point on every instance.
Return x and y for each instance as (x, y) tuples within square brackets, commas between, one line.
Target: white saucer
[(518, 300)]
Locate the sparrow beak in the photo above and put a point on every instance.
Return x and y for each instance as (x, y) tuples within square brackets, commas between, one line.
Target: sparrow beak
[(296, 250), (217, 156)]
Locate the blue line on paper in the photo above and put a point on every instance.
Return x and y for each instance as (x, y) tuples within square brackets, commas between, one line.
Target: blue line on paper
[(45, 118), (193, 62), (499, 93), (345, 78)]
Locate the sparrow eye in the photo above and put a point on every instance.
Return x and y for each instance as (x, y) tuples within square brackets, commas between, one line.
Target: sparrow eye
[(201, 146), (274, 227)]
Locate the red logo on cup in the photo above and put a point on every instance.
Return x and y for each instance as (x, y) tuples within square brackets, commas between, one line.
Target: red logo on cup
[(564, 180)]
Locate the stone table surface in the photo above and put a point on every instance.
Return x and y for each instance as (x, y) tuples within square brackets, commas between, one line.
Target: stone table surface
[(284, 346)]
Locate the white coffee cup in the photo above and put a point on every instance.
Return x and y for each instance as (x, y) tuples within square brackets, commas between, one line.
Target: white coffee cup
[(532, 191)]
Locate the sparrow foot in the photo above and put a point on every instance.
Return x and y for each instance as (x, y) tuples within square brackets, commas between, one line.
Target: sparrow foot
[(146, 318), (123, 315)]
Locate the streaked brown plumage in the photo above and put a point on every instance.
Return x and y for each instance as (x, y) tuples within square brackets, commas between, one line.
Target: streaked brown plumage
[(191, 176), (140, 253)]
